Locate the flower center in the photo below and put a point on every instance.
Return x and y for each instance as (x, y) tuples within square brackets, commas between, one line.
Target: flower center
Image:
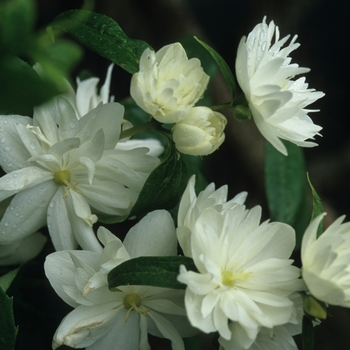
[(62, 177), (229, 279), (133, 302)]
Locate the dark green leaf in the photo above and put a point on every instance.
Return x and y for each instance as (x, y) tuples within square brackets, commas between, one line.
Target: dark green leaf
[(157, 271), (56, 58), (33, 90), (164, 187), (285, 185), (284, 181), (308, 333), (16, 25), (317, 208), (8, 330), (102, 35), (224, 68)]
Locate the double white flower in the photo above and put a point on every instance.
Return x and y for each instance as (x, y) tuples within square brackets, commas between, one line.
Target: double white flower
[(278, 103), (102, 319), (168, 84), (245, 276), (326, 269), (60, 165)]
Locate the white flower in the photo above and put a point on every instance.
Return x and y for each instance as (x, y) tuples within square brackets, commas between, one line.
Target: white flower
[(264, 72), (87, 97), (276, 338), (118, 320), (168, 84), (59, 173), (200, 133), (326, 269), (22, 250), (191, 207), (245, 275)]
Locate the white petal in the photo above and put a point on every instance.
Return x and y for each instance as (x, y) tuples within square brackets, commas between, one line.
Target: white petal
[(167, 330), (22, 179), (27, 212), (13, 154), (60, 271), (121, 335), (108, 117), (58, 223), (85, 324), (153, 235)]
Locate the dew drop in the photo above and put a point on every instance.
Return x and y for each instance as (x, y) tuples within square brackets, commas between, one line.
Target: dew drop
[(6, 224), (52, 204), (7, 148), (32, 145), (2, 140), (72, 125)]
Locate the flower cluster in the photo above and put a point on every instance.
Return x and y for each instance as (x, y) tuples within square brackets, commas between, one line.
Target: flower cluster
[(73, 163), (167, 87)]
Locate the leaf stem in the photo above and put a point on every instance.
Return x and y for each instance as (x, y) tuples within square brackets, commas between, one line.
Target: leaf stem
[(138, 129), (222, 106)]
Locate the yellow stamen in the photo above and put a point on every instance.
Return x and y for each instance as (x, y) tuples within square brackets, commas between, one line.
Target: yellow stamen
[(133, 302), (62, 177), (229, 279)]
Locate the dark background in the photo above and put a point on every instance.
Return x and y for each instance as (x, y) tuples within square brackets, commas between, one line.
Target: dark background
[(324, 33)]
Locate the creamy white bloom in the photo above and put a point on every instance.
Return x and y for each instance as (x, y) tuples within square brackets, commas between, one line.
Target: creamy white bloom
[(168, 84), (200, 133), (276, 338), (59, 174), (87, 97), (245, 275), (192, 206), (265, 72), (22, 250), (118, 320), (326, 268)]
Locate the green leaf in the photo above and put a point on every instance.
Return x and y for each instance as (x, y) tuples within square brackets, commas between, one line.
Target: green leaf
[(8, 330), (285, 185), (224, 68), (57, 58), (156, 271), (33, 90), (308, 333), (317, 208), (284, 181), (6, 280), (164, 187), (16, 24), (102, 35)]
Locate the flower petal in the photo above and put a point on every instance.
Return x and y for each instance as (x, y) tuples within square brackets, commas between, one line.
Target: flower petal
[(27, 212), (154, 234)]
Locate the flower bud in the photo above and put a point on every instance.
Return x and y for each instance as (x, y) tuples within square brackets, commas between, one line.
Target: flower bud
[(168, 84), (200, 133)]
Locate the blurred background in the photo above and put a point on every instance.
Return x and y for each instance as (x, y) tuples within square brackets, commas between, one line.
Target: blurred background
[(323, 30)]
